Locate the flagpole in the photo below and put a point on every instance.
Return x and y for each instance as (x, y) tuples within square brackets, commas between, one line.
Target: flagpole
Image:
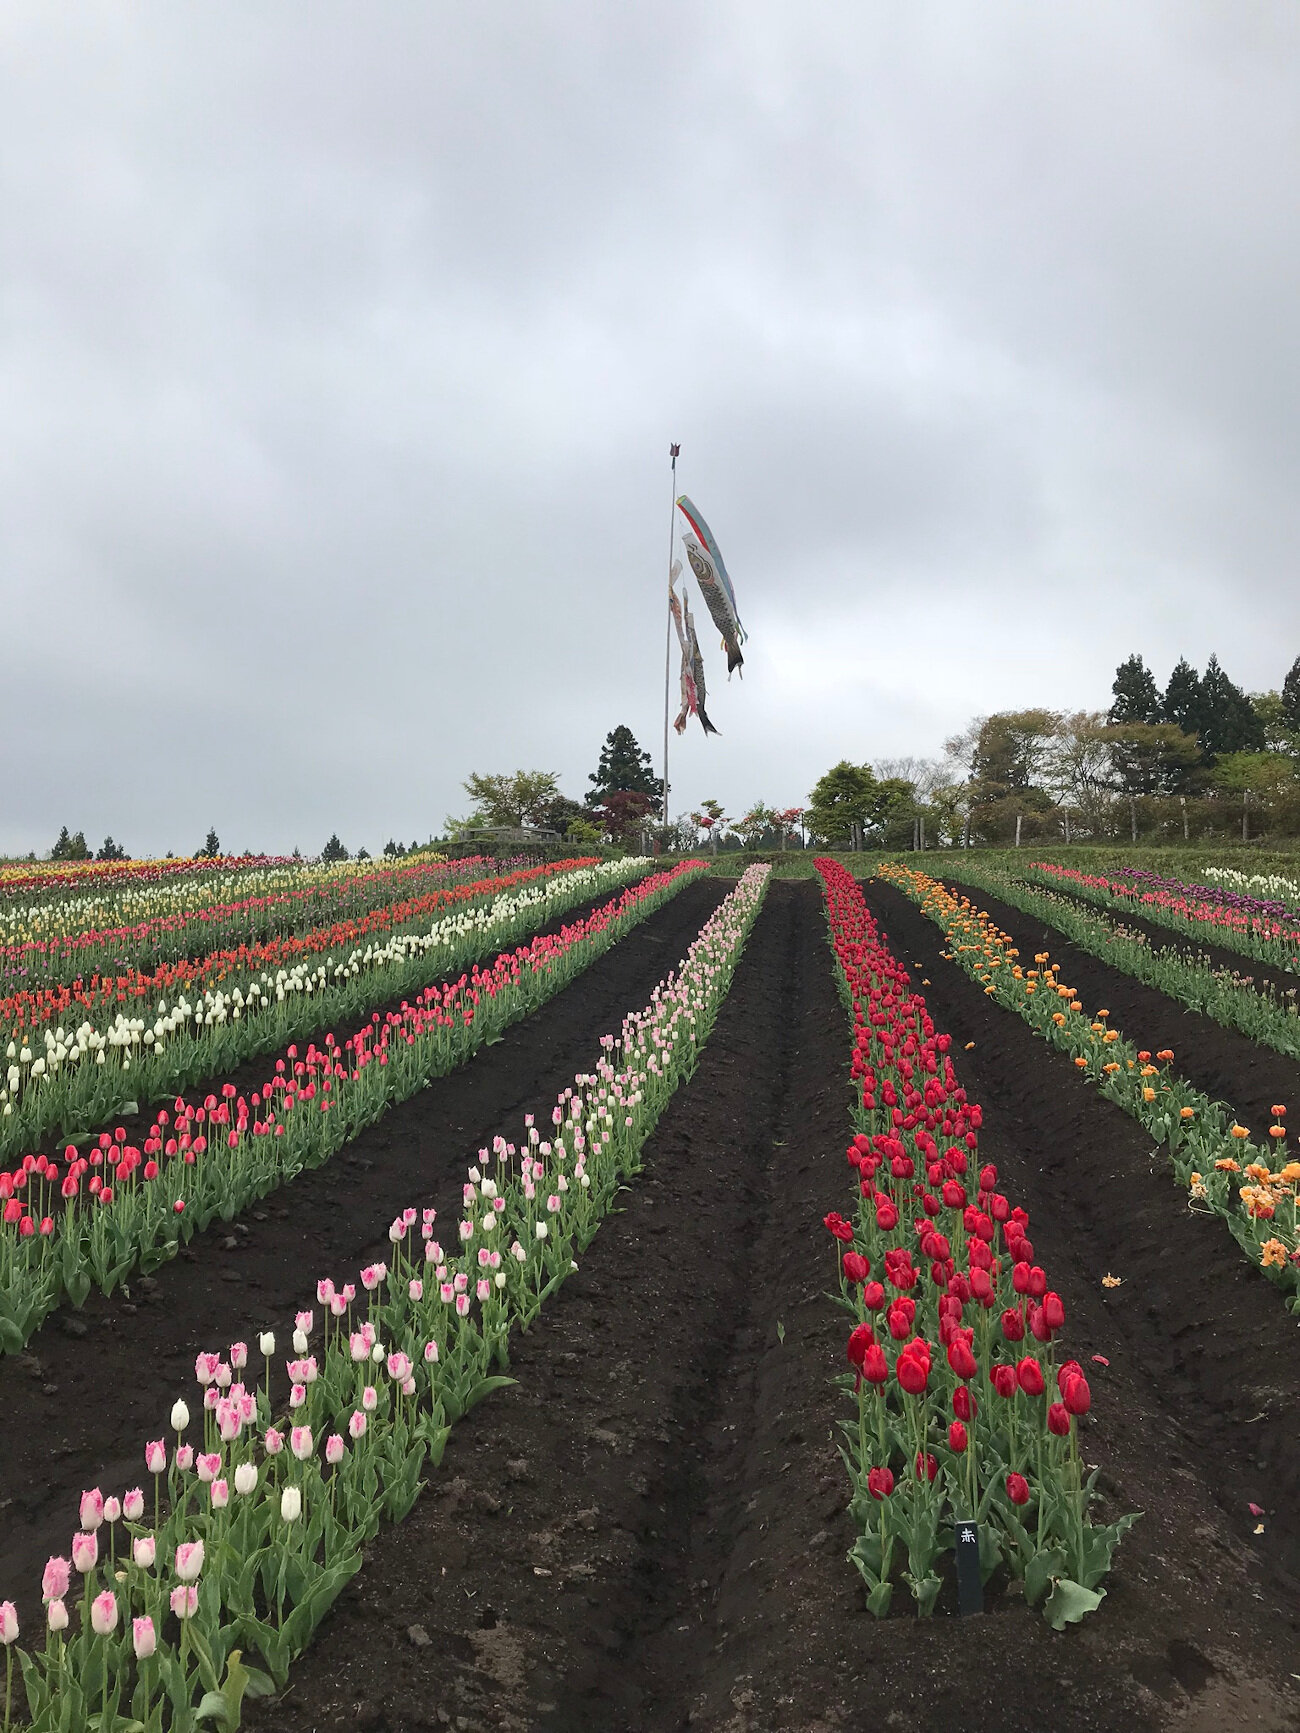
[(668, 626)]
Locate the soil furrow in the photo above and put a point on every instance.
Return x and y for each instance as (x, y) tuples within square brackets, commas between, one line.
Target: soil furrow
[(1227, 1066), (93, 1385)]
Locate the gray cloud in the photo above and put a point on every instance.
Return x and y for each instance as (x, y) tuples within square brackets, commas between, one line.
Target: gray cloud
[(340, 351)]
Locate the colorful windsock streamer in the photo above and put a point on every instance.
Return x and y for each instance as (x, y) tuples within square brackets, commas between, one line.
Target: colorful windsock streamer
[(692, 675), (715, 585)]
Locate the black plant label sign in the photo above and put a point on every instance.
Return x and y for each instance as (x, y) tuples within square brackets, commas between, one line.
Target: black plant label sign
[(970, 1588)]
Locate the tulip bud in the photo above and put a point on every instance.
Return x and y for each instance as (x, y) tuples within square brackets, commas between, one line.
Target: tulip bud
[(334, 1448), (290, 1504), (185, 1600), (274, 1441), (56, 1616), (220, 1494), (144, 1549), (245, 1478), (8, 1623), (103, 1614), (300, 1342), (55, 1582), (180, 1416), (133, 1505), (1017, 1489), (266, 1344), (92, 1509), (189, 1560), (301, 1442), (1058, 1420), (155, 1456), (85, 1552), (143, 1638)]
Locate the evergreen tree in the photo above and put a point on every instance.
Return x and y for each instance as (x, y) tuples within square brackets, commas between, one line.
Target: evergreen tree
[(624, 769), (1228, 720), (1137, 697), (62, 848), (111, 851), (211, 848), (1181, 705), (1291, 697), (333, 850)]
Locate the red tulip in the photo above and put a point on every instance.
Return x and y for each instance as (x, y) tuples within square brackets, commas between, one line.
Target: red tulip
[(856, 1267), (875, 1367), (1076, 1394), (1053, 1311), (960, 1358), (957, 1437), (880, 1482), (912, 1372), (859, 1342), (1058, 1420), (1003, 1380), (873, 1296), (1013, 1325), (927, 1466), (837, 1225), (964, 1405), (1017, 1489), (1029, 1375)]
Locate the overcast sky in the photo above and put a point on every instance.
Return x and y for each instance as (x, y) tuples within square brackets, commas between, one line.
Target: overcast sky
[(341, 347)]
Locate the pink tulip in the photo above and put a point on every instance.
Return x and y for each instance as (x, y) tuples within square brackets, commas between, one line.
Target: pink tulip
[(220, 1494), (112, 1510), (324, 1291), (297, 1395), (185, 1457), (304, 1321), (208, 1466), (274, 1441), (431, 1353), (143, 1638), (92, 1508), (189, 1560), (357, 1424), (333, 1449), (369, 1399), (85, 1552), (239, 1355), (103, 1614), (155, 1456), (144, 1549), (56, 1616), (57, 1577), (8, 1623), (185, 1600), (133, 1505), (301, 1443)]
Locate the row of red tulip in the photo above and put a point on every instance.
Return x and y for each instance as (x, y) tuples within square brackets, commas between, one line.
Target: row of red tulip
[(965, 1436)]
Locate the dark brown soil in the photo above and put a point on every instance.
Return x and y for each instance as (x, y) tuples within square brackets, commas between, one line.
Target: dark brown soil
[(1229, 1067), (648, 1531), (94, 1385)]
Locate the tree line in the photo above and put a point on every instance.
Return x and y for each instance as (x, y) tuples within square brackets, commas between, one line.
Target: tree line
[(1198, 759)]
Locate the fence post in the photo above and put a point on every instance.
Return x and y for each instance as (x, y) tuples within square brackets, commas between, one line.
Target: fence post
[(1018, 818), (1182, 801)]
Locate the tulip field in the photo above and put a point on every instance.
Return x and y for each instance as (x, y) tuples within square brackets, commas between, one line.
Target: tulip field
[(603, 1295)]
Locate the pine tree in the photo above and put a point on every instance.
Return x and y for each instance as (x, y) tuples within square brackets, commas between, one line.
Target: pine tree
[(1291, 697), (624, 769), (334, 850), (1137, 697), (211, 848), (62, 848), (1182, 703), (1228, 719)]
